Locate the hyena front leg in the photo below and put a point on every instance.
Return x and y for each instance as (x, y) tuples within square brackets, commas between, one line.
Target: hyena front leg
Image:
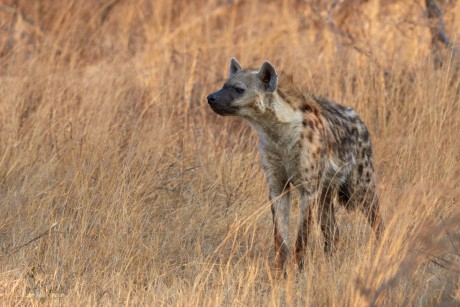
[(304, 227), (280, 211)]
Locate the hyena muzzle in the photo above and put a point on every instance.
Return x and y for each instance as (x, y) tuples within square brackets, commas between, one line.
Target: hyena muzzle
[(321, 148)]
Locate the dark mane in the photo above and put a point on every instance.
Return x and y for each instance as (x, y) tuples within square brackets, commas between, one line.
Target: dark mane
[(295, 96)]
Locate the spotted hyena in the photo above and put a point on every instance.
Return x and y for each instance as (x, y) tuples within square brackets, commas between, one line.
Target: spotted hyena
[(319, 147)]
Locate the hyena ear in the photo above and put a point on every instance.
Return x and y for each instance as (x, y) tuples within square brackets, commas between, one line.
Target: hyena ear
[(267, 74), (234, 67)]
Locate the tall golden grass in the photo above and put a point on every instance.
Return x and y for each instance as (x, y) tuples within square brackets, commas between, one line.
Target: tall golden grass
[(118, 185)]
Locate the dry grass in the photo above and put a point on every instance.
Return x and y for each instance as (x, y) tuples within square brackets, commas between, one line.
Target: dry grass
[(118, 185)]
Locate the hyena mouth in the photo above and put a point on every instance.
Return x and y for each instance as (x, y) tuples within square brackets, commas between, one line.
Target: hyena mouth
[(224, 110), (220, 105)]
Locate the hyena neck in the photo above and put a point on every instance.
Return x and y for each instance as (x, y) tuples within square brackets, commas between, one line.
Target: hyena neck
[(278, 123)]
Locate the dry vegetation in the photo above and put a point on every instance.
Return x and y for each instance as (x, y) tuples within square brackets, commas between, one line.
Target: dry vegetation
[(118, 185)]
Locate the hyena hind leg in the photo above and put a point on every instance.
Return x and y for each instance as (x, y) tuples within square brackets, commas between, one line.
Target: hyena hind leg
[(326, 216), (366, 200), (371, 209)]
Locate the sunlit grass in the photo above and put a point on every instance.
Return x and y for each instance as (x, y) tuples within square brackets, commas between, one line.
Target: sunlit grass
[(118, 185)]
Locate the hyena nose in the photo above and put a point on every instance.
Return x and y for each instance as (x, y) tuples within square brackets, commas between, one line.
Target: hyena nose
[(212, 98)]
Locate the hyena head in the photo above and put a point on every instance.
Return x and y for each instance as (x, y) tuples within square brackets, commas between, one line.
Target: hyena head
[(245, 90)]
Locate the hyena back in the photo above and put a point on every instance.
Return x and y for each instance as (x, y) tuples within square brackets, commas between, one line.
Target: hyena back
[(321, 148)]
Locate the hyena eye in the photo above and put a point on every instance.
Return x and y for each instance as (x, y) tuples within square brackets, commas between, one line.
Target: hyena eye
[(239, 89)]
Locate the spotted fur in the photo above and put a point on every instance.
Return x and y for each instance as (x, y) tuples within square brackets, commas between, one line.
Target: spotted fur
[(321, 148)]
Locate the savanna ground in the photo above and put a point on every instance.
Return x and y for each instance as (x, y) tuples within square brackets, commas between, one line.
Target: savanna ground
[(118, 184)]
